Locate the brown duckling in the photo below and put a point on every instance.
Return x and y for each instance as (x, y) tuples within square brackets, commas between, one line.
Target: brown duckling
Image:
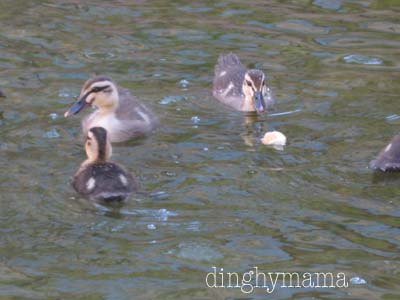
[(98, 179), (118, 111), (389, 158), (240, 88)]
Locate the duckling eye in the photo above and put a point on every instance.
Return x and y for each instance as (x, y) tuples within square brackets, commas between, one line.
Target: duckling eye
[(248, 83)]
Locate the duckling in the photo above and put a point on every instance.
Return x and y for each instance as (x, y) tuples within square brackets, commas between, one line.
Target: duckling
[(389, 158), (119, 112), (98, 179), (239, 88)]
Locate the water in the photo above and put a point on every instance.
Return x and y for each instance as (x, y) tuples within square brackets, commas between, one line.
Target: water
[(312, 207)]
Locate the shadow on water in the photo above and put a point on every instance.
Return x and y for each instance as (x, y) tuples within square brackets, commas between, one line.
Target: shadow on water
[(392, 178)]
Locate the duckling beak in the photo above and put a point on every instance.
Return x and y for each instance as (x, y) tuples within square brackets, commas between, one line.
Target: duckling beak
[(259, 102), (77, 107)]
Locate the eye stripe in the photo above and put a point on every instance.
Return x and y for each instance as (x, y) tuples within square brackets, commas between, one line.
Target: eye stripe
[(97, 89)]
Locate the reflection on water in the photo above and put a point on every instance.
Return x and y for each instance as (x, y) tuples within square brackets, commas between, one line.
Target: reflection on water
[(225, 199)]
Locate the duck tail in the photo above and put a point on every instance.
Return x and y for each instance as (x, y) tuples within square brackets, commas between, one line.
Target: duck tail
[(227, 61)]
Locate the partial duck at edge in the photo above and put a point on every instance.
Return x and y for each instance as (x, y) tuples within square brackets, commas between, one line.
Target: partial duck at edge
[(388, 160)]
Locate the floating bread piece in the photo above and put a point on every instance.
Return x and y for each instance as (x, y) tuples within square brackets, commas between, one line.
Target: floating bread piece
[(274, 138)]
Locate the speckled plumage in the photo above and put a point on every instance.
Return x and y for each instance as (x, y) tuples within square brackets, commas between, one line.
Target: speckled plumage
[(108, 185)]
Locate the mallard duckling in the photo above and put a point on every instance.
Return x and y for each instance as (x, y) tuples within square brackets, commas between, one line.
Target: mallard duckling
[(239, 88), (119, 112), (389, 158), (98, 179)]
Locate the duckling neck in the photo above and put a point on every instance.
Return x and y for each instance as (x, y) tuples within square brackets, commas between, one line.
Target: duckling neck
[(99, 157), (97, 160), (100, 161), (107, 110), (248, 104)]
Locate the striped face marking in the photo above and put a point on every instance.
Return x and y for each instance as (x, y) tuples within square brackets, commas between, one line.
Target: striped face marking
[(91, 146), (98, 147), (254, 89), (256, 83), (98, 91)]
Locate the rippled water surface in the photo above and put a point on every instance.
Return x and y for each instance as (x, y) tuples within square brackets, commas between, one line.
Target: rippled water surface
[(224, 199)]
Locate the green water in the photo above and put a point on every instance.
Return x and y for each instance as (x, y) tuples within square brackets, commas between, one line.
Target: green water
[(227, 200)]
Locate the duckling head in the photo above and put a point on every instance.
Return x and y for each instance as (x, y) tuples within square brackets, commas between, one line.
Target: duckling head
[(254, 88), (99, 91), (97, 146)]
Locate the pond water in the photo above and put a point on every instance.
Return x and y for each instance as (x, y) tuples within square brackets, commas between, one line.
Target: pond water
[(222, 198)]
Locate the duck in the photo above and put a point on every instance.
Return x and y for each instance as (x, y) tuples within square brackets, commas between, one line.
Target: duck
[(97, 178), (388, 159), (118, 111), (239, 88)]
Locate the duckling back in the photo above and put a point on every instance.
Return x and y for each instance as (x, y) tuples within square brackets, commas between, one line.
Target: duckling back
[(107, 182), (228, 80), (226, 62)]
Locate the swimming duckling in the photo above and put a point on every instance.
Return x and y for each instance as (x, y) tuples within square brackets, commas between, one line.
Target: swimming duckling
[(389, 158), (119, 112), (98, 179), (239, 88)]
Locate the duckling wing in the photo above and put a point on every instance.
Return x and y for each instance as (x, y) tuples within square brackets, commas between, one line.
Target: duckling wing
[(228, 87), (228, 81), (105, 182), (135, 117), (227, 61), (130, 108)]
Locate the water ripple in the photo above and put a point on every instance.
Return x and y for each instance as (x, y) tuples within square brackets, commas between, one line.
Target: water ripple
[(299, 26)]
